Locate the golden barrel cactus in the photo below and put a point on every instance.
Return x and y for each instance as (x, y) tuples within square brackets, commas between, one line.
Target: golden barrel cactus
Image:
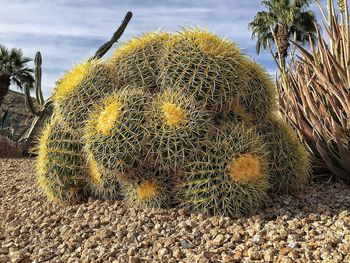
[(179, 118)]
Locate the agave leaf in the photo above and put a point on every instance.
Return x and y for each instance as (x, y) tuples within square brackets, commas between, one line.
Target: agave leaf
[(332, 163), (5, 120)]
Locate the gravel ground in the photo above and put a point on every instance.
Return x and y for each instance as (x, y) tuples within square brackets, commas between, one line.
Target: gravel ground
[(312, 226)]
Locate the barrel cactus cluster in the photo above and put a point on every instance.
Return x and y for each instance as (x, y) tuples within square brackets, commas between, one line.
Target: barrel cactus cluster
[(181, 119)]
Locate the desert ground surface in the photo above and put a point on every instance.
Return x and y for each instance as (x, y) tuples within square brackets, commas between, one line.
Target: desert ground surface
[(311, 226)]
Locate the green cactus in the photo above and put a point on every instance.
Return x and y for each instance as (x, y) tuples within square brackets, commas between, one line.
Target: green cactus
[(136, 61), (148, 188), (204, 66), (80, 89), (115, 132), (288, 159), (61, 164), (259, 99), (103, 183), (175, 124), (117, 34), (228, 175)]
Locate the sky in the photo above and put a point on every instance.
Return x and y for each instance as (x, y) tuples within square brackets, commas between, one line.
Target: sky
[(69, 31)]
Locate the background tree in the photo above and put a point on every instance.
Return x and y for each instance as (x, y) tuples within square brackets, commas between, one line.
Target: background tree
[(13, 69), (283, 19)]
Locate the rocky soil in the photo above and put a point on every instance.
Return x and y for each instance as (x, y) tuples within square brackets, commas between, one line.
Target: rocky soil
[(312, 226)]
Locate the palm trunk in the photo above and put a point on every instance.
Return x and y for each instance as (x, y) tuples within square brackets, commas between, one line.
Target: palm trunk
[(4, 86), (282, 43)]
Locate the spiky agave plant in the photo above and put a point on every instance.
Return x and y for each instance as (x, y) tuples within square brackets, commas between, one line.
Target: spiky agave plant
[(80, 89), (148, 188), (314, 94), (115, 132), (103, 183), (136, 61), (202, 65), (61, 167), (175, 124), (229, 174), (288, 158)]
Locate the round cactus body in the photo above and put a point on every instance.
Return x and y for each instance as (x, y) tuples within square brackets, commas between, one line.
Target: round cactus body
[(61, 167), (204, 66), (175, 123), (115, 132), (136, 61), (288, 158), (229, 174), (80, 89)]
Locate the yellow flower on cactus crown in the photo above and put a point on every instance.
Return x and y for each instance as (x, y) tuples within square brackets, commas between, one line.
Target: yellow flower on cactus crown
[(107, 118), (246, 168), (173, 114), (70, 81), (94, 172), (147, 190)]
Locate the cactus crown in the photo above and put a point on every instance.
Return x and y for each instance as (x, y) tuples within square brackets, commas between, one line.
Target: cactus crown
[(246, 168), (147, 189), (209, 43), (173, 114), (71, 80), (110, 114), (139, 43)]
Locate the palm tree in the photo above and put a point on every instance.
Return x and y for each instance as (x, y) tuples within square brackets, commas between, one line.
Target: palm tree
[(283, 19), (13, 69)]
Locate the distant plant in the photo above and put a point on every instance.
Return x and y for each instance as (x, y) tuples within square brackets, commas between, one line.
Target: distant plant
[(315, 95), (283, 19), (13, 68)]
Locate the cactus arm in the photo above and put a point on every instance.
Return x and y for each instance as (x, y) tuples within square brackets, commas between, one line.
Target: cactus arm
[(28, 136), (105, 47), (29, 101), (38, 91)]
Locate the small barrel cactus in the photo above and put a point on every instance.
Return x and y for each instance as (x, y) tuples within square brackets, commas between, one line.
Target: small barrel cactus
[(115, 132), (62, 173), (202, 65), (288, 159), (80, 89), (175, 124), (148, 188), (229, 174)]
